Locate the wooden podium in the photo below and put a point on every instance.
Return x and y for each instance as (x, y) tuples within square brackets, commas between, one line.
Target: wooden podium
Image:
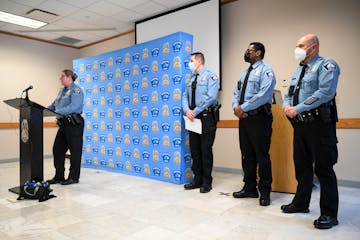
[(31, 139), (281, 153)]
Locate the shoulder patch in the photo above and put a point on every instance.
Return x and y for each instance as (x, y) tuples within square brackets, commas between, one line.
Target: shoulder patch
[(311, 101), (214, 77), (77, 91), (329, 66), (269, 74)]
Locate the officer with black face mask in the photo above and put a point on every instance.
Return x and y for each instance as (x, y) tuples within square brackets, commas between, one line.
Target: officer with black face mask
[(252, 105)]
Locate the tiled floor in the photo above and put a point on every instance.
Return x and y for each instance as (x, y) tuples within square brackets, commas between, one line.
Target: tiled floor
[(107, 205)]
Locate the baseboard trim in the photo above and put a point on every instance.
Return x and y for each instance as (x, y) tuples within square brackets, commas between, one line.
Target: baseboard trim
[(11, 160)]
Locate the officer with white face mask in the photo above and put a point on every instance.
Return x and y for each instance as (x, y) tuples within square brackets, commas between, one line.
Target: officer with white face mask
[(200, 101), (310, 106)]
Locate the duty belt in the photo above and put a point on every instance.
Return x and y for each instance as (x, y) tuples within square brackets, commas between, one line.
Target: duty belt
[(306, 117), (72, 119), (266, 108)]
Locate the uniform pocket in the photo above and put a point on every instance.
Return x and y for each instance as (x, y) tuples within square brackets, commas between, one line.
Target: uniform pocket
[(201, 87), (309, 85), (253, 85)]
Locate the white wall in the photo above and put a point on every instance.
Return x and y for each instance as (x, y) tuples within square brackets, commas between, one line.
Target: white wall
[(24, 62), (108, 46), (279, 24)]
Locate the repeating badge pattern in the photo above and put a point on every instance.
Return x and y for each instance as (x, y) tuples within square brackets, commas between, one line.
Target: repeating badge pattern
[(132, 109)]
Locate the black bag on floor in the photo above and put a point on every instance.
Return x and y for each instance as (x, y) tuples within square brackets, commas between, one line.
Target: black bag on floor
[(36, 190)]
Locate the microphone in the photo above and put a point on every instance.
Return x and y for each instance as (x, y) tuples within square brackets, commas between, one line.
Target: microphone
[(26, 92), (30, 87)]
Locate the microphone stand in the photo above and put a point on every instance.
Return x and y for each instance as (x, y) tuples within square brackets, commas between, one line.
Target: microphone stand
[(27, 95)]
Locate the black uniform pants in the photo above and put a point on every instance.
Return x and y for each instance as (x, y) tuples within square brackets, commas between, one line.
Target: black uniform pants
[(255, 137), (69, 137), (315, 144), (201, 150)]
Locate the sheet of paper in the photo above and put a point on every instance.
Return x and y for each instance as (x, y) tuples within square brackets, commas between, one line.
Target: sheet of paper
[(194, 126)]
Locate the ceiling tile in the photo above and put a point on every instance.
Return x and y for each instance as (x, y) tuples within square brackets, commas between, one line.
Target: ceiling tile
[(105, 8), (83, 35), (86, 16), (171, 4), (79, 3), (14, 8), (57, 7), (129, 4), (150, 8), (42, 35), (128, 16), (70, 23), (31, 3)]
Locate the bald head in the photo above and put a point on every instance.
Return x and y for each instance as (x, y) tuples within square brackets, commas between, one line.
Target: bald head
[(310, 43)]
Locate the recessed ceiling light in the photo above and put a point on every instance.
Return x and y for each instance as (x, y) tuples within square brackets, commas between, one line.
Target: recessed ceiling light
[(23, 21)]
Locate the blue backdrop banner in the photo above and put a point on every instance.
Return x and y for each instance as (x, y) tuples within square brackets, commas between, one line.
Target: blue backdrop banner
[(132, 111)]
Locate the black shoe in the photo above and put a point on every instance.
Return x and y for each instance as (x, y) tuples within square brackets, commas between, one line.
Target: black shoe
[(55, 180), (291, 208), (70, 181), (245, 194), (264, 201), (325, 222), (205, 188), (190, 186)]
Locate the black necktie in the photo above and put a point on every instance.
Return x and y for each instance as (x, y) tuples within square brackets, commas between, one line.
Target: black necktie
[(242, 95), (298, 85), (193, 90)]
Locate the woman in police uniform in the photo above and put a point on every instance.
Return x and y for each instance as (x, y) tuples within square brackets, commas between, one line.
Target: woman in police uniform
[(68, 103)]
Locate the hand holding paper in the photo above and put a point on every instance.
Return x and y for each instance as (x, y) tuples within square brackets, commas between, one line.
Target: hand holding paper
[(194, 126)]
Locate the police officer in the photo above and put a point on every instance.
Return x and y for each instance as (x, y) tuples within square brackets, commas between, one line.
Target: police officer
[(310, 106), (200, 101), (68, 103), (252, 105)]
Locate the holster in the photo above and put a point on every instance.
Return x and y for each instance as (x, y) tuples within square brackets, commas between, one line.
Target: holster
[(76, 118), (215, 111)]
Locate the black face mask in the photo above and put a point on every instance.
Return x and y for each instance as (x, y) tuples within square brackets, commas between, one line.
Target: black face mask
[(247, 56)]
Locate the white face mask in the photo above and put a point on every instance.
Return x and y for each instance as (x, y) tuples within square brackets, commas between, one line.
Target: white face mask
[(300, 54), (192, 66)]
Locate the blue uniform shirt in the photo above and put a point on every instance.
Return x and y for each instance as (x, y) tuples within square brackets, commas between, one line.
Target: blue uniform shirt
[(259, 89), (318, 85), (69, 100), (207, 89)]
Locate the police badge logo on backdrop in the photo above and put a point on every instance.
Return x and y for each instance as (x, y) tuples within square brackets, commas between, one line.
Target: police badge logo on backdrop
[(133, 109)]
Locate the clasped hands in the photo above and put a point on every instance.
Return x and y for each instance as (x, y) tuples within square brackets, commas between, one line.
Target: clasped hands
[(239, 112), (290, 111)]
